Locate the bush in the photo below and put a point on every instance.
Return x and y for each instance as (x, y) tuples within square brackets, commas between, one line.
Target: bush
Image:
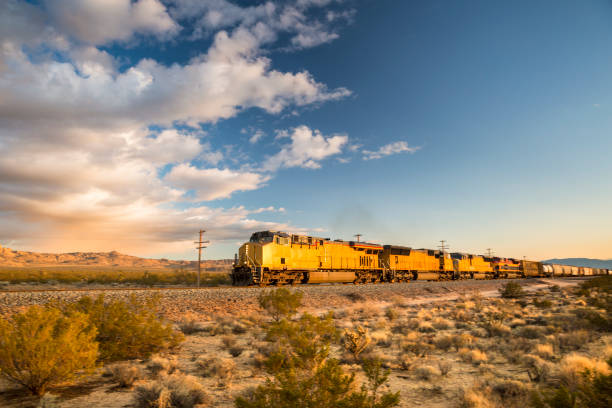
[(425, 372), (42, 347), (125, 374), (222, 369), (305, 377), (159, 364), (128, 329), (173, 391), (280, 303), (356, 341), (542, 304), (444, 367), (511, 290), (444, 343)]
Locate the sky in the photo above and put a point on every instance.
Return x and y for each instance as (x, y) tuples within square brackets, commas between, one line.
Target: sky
[(130, 125)]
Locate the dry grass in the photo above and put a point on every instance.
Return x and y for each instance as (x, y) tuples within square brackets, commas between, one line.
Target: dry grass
[(125, 374)]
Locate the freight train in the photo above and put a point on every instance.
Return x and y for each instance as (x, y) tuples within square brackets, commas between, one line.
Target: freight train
[(278, 258)]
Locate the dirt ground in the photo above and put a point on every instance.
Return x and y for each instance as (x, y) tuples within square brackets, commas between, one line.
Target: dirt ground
[(407, 323)]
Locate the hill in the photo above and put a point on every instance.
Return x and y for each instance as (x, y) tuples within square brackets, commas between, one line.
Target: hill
[(113, 259), (588, 262)]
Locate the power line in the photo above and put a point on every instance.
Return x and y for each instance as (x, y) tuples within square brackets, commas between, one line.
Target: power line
[(201, 245), (443, 246), (490, 253)]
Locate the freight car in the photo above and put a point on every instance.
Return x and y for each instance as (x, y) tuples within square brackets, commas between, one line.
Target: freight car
[(278, 258)]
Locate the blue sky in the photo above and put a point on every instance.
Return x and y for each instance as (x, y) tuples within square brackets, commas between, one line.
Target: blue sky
[(483, 123)]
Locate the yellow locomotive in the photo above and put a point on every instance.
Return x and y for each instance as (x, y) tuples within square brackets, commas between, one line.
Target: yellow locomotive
[(278, 258)]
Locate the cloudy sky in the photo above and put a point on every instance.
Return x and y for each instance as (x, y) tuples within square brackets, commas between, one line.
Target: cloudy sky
[(129, 125)]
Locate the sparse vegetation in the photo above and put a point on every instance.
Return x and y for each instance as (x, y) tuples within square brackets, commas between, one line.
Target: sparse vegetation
[(125, 374), (280, 303), (125, 330), (500, 351), (511, 290), (108, 276), (172, 391), (42, 347)]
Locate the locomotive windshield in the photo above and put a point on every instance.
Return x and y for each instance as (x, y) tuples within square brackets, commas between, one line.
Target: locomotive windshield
[(262, 237)]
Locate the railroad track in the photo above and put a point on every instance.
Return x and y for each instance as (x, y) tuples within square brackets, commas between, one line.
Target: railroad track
[(177, 288)]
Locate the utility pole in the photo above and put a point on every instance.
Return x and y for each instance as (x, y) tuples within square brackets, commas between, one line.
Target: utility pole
[(443, 246), (201, 245), (489, 253), (358, 236)]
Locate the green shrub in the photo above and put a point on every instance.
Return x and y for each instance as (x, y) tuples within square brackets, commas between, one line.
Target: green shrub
[(511, 290), (305, 377), (41, 347), (542, 304), (128, 329), (280, 303)]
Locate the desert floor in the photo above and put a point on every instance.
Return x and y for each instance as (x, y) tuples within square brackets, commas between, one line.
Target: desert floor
[(446, 343)]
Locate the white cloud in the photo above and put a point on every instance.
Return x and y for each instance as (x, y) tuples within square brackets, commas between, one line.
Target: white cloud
[(212, 87), (102, 21), (213, 183), (80, 167), (268, 209), (256, 136), (307, 148), (389, 149), (266, 20)]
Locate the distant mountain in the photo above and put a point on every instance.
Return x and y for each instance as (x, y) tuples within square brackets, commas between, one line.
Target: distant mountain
[(591, 263), (12, 258)]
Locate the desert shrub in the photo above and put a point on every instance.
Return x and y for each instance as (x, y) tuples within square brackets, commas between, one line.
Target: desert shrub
[(441, 324), (223, 369), (444, 342), (426, 327), (173, 391), (475, 356), (128, 329), (406, 361), (405, 326), (235, 351), (573, 340), (530, 332), (158, 364), (280, 303), (511, 290), (444, 367), (42, 347), (496, 329), (474, 398), (228, 341), (538, 370), (239, 329), (425, 372), (511, 389), (125, 374), (593, 391), (189, 324), (462, 340), (544, 350), (356, 341), (602, 283), (575, 369), (305, 377), (391, 313), (418, 348), (542, 304)]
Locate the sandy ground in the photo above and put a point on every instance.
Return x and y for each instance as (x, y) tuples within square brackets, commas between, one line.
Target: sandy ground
[(361, 304)]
